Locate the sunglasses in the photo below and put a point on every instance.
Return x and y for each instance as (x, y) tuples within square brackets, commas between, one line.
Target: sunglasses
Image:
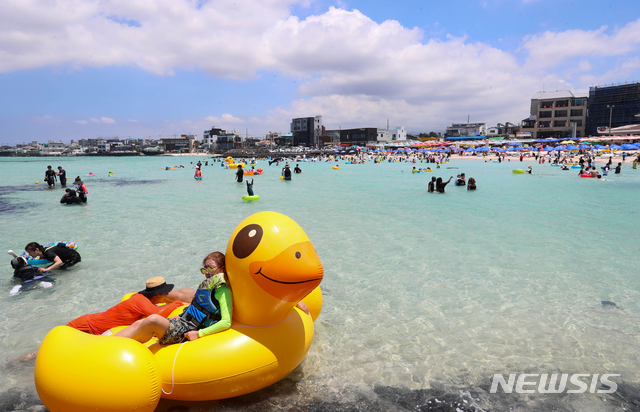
[(208, 270)]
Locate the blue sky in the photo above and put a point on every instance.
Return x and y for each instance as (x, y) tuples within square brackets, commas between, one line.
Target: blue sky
[(141, 68)]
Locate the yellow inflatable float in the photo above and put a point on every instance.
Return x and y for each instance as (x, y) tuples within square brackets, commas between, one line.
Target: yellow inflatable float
[(271, 265), (232, 165)]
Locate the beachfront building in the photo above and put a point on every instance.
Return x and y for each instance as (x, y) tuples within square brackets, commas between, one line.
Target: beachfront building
[(359, 137), (466, 129), (219, 139), (306, 130), (182, 144), (558, 114), (329, 138), (613, 106), (385, 135)]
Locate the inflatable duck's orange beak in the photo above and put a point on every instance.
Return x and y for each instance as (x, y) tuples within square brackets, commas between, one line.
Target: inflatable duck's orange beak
[(291, 275)]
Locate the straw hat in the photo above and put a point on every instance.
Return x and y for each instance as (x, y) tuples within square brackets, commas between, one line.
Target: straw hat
[(156, 286)]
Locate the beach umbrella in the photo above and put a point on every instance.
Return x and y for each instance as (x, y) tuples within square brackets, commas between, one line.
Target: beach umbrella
[(572, 147), (599, 147), (470, 149), (567, 142), (515, 144), (501, 150), (548, 148), (584, 146), (615, 147), (628, 146)]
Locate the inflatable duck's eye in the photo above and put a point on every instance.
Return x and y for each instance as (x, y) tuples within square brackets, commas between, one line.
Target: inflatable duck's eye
[(247, 240), (298, 255)]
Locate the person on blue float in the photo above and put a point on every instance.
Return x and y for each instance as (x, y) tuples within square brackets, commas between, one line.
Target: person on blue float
[(28, 276), (249, 187), (210, 311), (61, 256), (239, 173)]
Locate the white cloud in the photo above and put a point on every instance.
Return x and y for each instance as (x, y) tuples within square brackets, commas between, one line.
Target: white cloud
[(552, 48), (350, 69), (224, 119), (81, 121), (132, 121), (104, 120)]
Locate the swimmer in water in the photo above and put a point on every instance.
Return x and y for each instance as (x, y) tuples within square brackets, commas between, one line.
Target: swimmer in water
[(249, 187)]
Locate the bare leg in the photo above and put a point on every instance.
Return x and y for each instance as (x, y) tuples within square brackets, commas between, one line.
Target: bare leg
[(184, 294), (146, 329)]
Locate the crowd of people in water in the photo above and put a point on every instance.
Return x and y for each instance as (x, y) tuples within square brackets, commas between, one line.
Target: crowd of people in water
[(437, 184)]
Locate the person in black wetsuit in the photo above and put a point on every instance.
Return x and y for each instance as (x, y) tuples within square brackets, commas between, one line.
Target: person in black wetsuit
[(286, 172), (239, 174), (29, 276), (297, 169), (60, 255), (50, 177), (70, 198), (250, 187)]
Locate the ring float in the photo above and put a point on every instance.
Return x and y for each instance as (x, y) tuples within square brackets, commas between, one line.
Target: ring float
[(271, 265)]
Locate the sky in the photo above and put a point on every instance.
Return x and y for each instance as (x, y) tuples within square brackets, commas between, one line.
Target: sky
[(74, 69)]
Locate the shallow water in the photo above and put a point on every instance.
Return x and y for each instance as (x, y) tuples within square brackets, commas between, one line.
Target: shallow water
[(426, 296)]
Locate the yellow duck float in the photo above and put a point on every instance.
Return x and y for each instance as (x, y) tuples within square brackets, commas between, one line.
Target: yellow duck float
[(232, 165), (271, 265)]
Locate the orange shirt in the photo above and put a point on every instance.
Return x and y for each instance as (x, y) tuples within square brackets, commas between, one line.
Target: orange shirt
[(124, 313)]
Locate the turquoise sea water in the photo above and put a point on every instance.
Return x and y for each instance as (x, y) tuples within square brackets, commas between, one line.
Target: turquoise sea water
[(426, 296)]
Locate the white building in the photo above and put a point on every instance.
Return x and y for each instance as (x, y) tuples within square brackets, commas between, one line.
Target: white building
[(399, 133)]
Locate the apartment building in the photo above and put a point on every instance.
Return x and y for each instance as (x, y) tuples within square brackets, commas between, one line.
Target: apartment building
[(557, 115)]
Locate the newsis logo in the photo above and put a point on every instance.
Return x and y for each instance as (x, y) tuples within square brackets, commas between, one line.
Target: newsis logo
[(553, 383)]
